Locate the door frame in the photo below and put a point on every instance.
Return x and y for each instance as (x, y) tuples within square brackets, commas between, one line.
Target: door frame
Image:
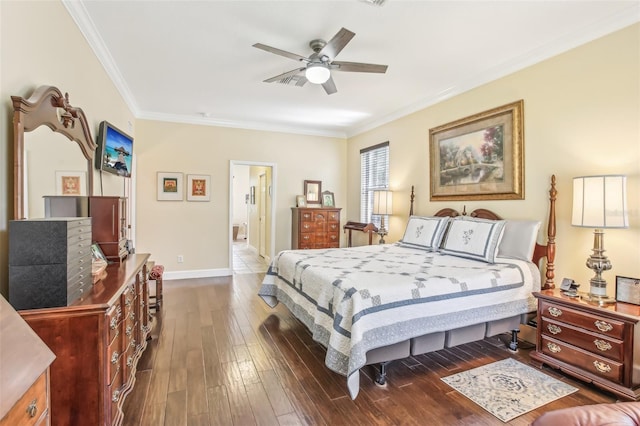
[(272, 211)]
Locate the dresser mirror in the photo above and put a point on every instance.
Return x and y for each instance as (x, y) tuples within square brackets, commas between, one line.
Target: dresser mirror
[(52, 146)]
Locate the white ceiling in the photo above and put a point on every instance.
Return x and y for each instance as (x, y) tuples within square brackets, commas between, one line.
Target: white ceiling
[(193, 61)]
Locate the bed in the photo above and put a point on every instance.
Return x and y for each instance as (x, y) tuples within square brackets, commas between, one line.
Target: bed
[(453, 278)]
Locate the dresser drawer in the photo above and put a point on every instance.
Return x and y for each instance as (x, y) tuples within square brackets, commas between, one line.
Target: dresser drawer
[(597, 324), (334, 217), (114, 318), (601, 366), (333, 227), (592, 342), (321, 216), (306, 227), (31, 408), (307, 240), (114, 392), (114, 357)]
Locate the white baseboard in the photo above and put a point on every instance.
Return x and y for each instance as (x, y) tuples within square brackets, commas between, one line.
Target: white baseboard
[(199, 273)]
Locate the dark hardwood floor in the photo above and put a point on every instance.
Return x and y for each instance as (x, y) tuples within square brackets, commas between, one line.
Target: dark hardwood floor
[(221, 356)]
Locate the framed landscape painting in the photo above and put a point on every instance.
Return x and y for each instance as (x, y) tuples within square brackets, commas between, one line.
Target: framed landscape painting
[(480, 157)]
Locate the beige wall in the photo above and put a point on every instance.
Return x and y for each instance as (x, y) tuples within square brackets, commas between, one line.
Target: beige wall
[(581, 117), (200, 231)]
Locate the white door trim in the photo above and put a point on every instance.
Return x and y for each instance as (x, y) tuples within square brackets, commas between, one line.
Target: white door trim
[(274, 186)]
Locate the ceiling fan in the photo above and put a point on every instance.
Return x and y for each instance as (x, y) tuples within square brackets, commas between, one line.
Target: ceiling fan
[(318, 66)]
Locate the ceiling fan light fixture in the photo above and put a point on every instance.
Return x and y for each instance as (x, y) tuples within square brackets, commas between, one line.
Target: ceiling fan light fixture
[(317, 73)]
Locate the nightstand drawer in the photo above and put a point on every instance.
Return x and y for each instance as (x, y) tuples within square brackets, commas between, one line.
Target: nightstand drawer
[(31, 408), (603, 367), (592, 342), (597, 324)]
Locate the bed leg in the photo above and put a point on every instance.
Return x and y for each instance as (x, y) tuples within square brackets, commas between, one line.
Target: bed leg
[(513, 344), (381, 376)]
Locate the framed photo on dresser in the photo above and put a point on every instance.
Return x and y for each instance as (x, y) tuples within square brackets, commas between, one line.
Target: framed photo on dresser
[(628, 290)]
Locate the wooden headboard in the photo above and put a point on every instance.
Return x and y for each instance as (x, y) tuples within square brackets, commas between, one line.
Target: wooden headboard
[(547, 251)]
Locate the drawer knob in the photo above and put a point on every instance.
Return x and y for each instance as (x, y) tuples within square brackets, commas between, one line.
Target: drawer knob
[(602, 345), (114, 323), (127, 302), (116, 396), (130, 362), (554, 329), (603, 326), (32, 409), (601, 366), (554, 312), (114, 357), (553, 347), (129, 331)]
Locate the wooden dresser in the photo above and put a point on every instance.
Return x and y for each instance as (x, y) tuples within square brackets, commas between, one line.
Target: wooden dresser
[(97, 341), (24, 372), (597, 344), (315, 228)]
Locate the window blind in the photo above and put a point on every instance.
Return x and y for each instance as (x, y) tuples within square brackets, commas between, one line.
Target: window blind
[(374, 175)]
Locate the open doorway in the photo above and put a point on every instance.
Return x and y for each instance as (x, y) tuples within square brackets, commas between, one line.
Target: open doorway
[(251, 215)]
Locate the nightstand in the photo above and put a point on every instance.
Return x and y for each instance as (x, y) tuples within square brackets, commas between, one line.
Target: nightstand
[(596, 344)]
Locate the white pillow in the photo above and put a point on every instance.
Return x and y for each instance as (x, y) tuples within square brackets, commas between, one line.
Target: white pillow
[(424, 232), (519, 239), (473, 238)]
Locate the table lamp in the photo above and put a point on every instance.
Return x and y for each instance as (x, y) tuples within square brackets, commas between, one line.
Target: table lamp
[(599, 202), (382, 206)]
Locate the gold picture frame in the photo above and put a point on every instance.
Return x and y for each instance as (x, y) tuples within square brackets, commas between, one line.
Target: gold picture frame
[(480, 157)]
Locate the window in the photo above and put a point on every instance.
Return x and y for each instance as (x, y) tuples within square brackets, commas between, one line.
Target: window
[(374, 174)]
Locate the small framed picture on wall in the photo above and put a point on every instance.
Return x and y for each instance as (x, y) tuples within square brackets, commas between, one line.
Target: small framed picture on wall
[(198, 187), (170, 186)]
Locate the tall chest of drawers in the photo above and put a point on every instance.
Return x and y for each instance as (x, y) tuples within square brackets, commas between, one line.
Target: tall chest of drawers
[(597, 344), (315, 228), (49, 261)]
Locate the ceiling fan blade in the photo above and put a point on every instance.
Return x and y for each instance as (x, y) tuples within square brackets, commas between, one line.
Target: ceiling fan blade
[(329, 86), (281, 52), (284, 75), (358, 67), (337, 43)]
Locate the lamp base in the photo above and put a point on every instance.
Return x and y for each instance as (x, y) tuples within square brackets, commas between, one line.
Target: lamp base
[(598, 299)]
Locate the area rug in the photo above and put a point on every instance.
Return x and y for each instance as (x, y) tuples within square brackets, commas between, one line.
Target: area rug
[(508, 388)]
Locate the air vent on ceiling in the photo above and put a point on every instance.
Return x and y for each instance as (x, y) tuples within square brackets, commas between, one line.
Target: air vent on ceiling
[(375, 2), (294, 80)]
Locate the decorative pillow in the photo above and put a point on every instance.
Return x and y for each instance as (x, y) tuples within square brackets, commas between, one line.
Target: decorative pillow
[(519, 239), (424, 232), (473, 238)]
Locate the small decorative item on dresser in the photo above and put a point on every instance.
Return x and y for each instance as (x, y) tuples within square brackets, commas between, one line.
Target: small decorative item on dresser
[(628, 290), (301, 201), (328, 199)]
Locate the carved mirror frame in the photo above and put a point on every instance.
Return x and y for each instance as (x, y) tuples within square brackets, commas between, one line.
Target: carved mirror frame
[(47, 106)]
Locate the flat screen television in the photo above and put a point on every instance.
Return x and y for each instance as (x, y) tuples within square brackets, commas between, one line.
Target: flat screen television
[(114, 151)]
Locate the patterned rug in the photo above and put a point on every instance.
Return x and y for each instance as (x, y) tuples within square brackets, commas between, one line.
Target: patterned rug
[(508, 388)]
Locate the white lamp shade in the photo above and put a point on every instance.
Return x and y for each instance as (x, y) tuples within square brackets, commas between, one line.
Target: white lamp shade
[(382, 202), (317, 73), (600, 202)]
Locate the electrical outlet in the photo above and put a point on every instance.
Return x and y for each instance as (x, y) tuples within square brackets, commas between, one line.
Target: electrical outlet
[(180, 258)]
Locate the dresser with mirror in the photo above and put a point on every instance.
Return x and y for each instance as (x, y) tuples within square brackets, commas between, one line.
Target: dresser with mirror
[(98, 337)]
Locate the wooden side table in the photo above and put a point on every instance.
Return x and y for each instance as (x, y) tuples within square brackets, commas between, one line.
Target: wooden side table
[(596, 344)]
